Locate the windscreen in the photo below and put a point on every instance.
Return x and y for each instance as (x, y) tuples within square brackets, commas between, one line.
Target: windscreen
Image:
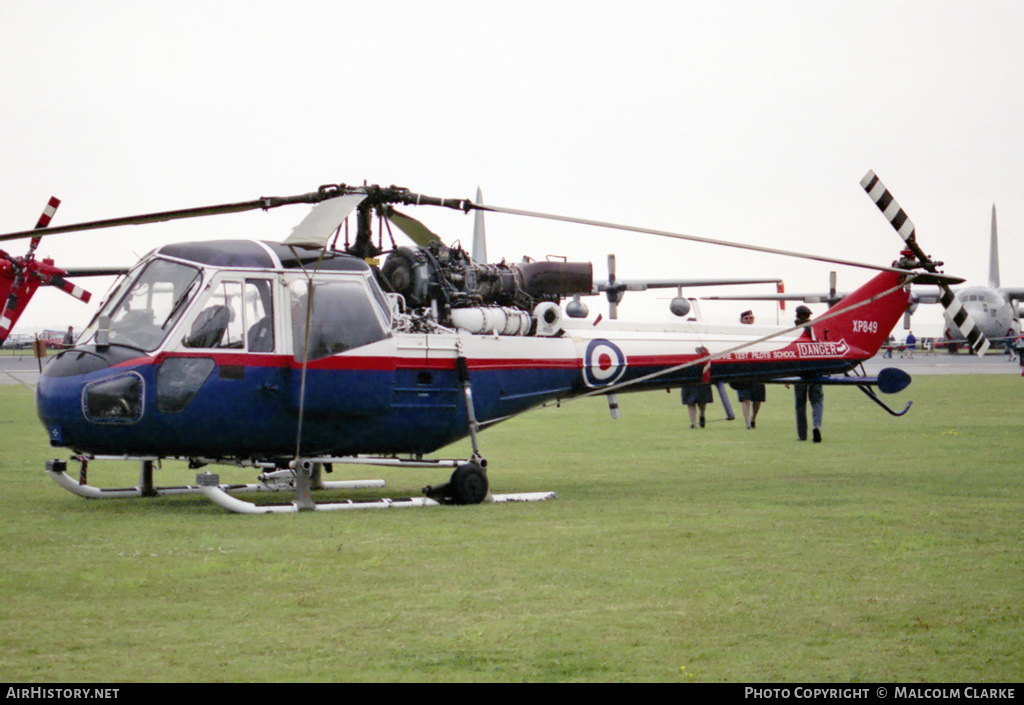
[(151, 304)]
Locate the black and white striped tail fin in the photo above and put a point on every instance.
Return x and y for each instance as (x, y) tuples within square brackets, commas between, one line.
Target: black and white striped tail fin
[(901, 222)]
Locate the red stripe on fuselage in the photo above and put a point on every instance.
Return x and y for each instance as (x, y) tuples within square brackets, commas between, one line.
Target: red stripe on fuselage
[(358, 363)]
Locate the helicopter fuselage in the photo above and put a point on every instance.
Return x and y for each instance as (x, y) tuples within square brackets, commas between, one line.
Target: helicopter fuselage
[(249, 350)]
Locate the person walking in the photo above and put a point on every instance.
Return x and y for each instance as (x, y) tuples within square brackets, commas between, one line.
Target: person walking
[(808, 391)]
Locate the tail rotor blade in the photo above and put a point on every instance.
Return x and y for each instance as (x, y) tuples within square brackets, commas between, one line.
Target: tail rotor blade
[(899, 220), (896, 216), (956, 313)]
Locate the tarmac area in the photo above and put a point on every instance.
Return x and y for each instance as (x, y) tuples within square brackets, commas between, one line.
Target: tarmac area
[(24, 369), (944, 363), (19, 369)]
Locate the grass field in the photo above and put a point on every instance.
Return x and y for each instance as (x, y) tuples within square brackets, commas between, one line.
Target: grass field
[(890, 552)]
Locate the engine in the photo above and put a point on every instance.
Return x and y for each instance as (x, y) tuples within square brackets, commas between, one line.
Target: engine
[(445, 279)]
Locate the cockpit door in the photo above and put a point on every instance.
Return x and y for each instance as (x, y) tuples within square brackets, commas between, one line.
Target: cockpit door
[(341, 340)]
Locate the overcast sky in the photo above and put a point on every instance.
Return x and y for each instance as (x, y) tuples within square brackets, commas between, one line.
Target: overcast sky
[(747, 120)]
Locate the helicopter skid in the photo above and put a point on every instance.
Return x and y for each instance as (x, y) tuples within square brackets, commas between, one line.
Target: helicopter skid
[(56, 470), (305, 478), (216, 494)]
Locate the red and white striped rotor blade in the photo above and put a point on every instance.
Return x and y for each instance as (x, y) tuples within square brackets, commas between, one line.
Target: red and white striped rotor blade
[(67, 287), (44, 221)]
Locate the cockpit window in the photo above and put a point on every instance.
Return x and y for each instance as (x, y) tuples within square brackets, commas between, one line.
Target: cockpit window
[(147, 312), (219, 324), (342, 317), (234, 315)]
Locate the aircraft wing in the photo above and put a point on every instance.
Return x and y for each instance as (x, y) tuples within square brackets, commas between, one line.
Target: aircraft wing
[(645, 284), (923, 295), (814, 297), (1012, 293)]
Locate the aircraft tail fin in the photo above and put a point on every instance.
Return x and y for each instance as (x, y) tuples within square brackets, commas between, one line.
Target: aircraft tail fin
[(993, 255), (479, 253), (866, 317)]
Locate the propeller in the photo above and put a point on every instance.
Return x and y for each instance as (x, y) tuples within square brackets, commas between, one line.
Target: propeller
[(614, 293), (899, 220), (614, 290), (911, 307)]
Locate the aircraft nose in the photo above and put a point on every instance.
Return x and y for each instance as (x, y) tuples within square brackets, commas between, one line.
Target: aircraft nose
[(75, 388), (84, 360)]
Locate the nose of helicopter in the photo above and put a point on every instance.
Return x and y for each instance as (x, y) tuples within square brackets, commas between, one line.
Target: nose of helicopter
[(88, 384)]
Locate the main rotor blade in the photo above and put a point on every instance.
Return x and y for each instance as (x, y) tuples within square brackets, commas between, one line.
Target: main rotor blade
[(265, 203), (317, 227), (705, 240), (414, 229), (67, 287), (43, 222), (95, 271)]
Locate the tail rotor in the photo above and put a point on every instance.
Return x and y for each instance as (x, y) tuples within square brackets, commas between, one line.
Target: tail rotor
[(901, 222)]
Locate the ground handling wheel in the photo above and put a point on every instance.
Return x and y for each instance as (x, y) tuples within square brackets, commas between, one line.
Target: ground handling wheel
[(468, 485)]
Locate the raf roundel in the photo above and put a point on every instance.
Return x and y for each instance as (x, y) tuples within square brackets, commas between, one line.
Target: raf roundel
[(603, 364)]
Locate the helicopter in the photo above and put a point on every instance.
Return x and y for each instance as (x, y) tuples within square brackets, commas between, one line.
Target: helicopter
[(20, 277), (291, 358)]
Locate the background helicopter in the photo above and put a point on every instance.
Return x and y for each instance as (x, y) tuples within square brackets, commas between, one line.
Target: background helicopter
[(20, 277), (293, 357)]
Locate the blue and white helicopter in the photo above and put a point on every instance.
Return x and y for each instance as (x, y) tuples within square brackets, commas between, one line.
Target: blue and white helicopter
[(293, 358)]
